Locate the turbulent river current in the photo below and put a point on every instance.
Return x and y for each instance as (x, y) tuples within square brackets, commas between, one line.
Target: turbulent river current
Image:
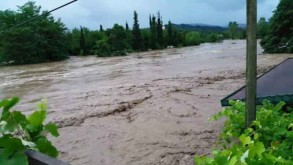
[(144, 108)]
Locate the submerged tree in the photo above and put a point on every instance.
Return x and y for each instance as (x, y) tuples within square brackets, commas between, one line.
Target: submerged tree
[(41, 40), (279, 38)]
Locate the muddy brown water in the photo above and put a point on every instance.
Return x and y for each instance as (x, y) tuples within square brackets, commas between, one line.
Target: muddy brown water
[(145, 108)]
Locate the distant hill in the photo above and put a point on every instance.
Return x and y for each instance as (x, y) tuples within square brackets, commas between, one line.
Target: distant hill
[(200, 27), (243, 26)]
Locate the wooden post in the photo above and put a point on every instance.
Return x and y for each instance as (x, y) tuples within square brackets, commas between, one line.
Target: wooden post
[(251, 62)]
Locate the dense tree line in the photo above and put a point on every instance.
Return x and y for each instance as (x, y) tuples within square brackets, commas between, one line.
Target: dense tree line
[(120, 40), (46, 39)]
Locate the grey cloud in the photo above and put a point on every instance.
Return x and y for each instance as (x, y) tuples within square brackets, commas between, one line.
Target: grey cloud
[(92, 13)]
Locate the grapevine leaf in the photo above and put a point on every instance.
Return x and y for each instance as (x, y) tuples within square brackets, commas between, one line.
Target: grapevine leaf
[(37, 118), (244, 156), (221, 159), (291, 125), (279, 106), (28, 144), (8, 126), (275, 144), (18, 117), (245, 140), (53, 129), (18, 158), (46, 147), (256, 149), (199, 160), (42, 106), (10, 145), (233, 161), (256, 136), (8, 104)]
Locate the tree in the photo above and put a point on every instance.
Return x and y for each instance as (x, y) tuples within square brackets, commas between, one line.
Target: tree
[(82, 42), (101, 28), (153, 29), (136, 34), (262, 27), (74, 40), (170, 34), (116, 44), (279, 38), (146, 35), (41, 40), (126, 26), (118, 38), (160, 31), (233, 30), (192, 38)]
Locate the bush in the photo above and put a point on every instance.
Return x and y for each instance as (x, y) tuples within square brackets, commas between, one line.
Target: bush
[(18, 133), (193, 38), (269, 140)]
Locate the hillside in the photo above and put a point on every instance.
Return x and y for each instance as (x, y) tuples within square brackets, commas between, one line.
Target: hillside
[(199, 27)]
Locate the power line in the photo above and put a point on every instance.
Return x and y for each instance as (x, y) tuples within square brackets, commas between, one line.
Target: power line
[(46, 13)]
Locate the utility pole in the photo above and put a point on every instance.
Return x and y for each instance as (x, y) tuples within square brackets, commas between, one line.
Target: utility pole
[(251, 62)]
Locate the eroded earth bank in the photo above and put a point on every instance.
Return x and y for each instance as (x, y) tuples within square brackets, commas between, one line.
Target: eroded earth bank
[(146, 108)]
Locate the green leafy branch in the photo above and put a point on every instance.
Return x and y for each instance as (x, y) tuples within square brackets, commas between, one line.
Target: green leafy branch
[(19, 133), (269, 140)]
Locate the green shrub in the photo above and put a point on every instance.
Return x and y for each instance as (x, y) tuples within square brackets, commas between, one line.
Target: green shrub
[(18, 133), (269, 140)]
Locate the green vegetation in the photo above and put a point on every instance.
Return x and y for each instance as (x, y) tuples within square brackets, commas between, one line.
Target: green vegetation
[(82, 41), (233, 30), (136, 34), (277, 35), (262, 28), (41, 40), (119, 41), (116, 43), (18, 133), (45, 40), (267, 141)]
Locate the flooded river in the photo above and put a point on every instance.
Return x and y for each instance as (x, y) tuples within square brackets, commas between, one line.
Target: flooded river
[(145, 108)]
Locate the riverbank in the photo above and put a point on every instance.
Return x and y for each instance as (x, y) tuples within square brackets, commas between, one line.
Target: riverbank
[(145, 108)]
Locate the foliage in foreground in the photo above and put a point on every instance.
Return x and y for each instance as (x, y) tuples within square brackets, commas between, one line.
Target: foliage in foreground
[(18, 133), (269, 140)]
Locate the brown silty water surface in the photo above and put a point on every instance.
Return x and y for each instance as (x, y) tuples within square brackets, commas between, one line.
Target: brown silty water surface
[(145, 108)]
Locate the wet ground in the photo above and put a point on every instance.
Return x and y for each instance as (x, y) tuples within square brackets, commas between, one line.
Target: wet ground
[(145, 108)]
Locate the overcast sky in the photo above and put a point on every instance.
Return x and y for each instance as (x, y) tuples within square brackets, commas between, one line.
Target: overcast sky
[(92, 13)]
